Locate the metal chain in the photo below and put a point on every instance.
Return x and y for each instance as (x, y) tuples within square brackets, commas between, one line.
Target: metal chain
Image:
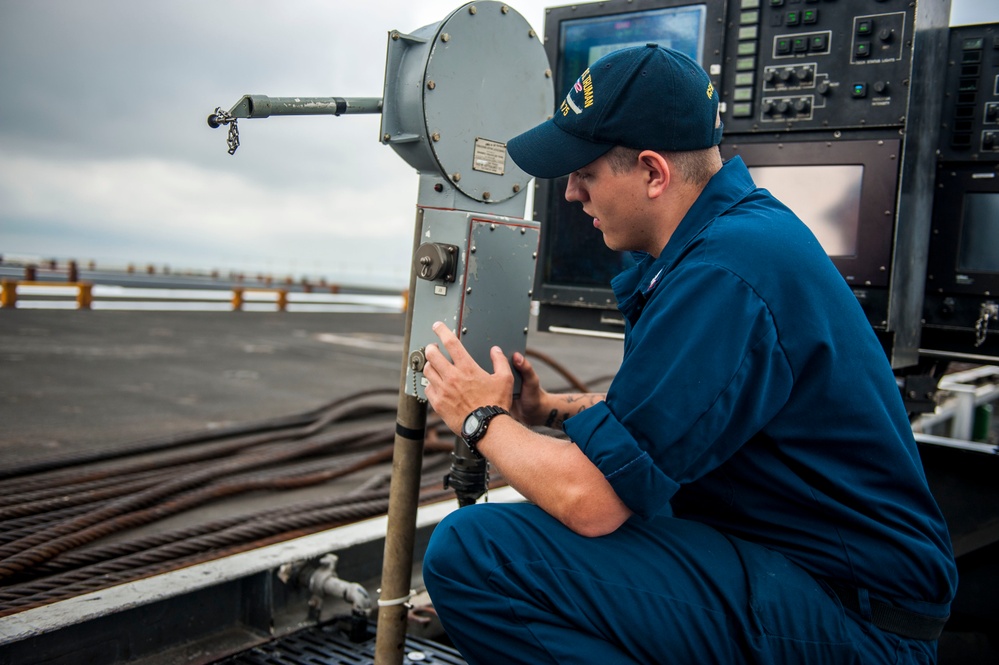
[(416, 390), (223, 118), (988, 312), (417, 361)]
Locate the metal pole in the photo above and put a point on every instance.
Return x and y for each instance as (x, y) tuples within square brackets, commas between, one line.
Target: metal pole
[(400, 535), (262, 106)]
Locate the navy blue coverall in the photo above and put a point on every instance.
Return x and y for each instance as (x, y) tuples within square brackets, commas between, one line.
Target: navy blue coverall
[(756, 431)]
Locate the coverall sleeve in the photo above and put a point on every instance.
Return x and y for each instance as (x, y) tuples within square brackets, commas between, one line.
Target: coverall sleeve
[(703, 372)]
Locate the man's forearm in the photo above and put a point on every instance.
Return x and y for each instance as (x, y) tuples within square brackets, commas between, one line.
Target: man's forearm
[(560, 407), (556, 475)]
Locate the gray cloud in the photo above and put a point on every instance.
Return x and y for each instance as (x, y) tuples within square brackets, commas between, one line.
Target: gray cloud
[(107, 155)]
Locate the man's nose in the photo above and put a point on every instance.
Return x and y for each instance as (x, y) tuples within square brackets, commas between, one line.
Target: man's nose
[(573, 192)]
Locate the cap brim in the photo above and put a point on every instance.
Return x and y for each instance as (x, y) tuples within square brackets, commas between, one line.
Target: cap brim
[(548, 152)]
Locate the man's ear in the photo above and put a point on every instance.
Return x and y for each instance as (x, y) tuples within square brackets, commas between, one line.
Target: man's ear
[(656, 170)]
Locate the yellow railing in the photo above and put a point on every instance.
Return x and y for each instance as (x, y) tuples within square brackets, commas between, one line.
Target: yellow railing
[(8, 291), (85, 294), (238, 291)]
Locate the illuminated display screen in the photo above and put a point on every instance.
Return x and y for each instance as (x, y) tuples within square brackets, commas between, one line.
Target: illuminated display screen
[(584, 41), (979, 248), (825, 197)]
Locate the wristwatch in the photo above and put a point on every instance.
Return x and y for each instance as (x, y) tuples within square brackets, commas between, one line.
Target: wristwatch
[(476, 423)]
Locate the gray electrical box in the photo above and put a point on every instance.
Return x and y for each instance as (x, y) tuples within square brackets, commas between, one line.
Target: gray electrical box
[(476, 274)]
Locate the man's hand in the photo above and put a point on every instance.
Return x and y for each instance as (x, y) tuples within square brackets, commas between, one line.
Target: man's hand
[(553, 473), (530, 407), (458, 386)]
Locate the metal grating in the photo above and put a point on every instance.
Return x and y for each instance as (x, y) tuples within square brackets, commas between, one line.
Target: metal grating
[(326, 645)]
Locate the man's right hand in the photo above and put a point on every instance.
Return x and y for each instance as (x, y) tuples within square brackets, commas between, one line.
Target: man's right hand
[(529, 408)]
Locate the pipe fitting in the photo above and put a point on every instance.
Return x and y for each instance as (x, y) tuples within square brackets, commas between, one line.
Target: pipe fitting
[(324, 583)]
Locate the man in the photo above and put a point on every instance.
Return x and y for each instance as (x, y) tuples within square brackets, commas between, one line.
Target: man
[(748, 490)]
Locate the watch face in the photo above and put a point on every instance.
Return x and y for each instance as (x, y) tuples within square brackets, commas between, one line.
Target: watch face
[(471, 424)]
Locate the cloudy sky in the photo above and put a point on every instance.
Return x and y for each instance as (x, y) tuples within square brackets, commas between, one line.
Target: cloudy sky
[(105, 154)]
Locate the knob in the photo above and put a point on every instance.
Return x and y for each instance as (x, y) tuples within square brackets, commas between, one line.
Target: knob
[(802, 105), (880, 87), (786, 75), (783, 107), (886, 35), (824, 88), (769, 76), (804, 74)]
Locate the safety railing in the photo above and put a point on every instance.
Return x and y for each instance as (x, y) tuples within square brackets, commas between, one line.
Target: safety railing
[(238, 297), (9, 287), (84, 295)]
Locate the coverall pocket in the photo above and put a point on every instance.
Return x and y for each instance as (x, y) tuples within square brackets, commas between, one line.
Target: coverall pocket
[(797, 619)]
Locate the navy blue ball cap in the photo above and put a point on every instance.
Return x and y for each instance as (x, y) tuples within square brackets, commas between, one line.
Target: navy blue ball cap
[(644, 97)]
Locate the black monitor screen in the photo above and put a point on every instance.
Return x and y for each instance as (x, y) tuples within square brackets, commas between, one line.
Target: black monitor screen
[(979, 248), (831, 211), (584, 41)]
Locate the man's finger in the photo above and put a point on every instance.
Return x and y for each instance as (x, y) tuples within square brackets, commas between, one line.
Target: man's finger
[(501, 366), (527, 374), (453, 345)]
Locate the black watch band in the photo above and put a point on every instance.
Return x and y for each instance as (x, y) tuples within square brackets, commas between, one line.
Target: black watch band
[(476, 423)]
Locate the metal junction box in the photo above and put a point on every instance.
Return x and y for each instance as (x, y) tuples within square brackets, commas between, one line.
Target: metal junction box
[(476, 275)]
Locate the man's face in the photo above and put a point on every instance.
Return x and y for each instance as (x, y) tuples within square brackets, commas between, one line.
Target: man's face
[(616, 201)]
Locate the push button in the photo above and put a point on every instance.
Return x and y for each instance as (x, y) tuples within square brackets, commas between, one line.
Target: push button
[(859, 90), (862, 50)]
